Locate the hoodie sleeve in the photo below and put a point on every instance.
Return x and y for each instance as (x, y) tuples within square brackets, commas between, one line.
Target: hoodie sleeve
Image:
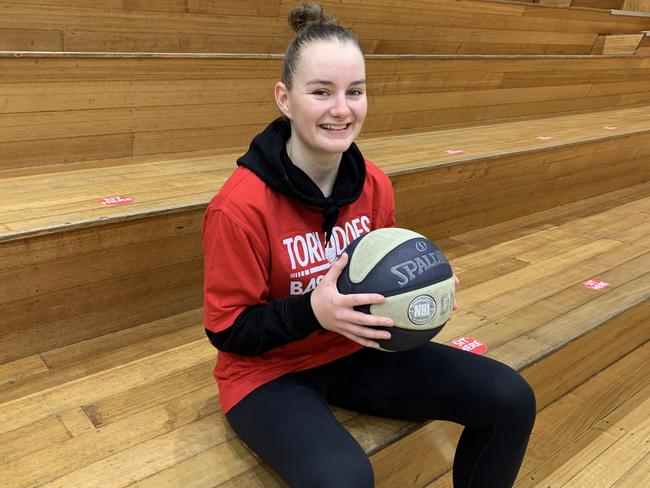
[(239, 317)]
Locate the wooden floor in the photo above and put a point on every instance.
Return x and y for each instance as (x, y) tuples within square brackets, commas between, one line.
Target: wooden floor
[(596, 436), (139, 408)]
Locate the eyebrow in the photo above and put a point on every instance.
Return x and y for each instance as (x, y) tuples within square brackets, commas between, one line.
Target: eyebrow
[(329, 83)]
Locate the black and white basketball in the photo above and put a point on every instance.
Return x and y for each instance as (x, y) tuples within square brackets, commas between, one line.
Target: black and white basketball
[(414, 276)]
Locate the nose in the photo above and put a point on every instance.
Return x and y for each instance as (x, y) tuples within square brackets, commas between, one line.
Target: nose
[(340, 107)]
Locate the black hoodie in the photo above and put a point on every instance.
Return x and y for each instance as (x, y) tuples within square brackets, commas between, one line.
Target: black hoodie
[(266, 326)]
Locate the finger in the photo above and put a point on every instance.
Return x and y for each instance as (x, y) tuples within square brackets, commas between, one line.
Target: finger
[(358, 299), (337, 268), (366, 332), (362, 339), (453, 308), (367, 320)]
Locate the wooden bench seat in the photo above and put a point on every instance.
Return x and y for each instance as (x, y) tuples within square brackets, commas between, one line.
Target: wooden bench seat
[(101, 305), (57, 108), (126, 409), (415, 27), (116, 267), (71, 194)]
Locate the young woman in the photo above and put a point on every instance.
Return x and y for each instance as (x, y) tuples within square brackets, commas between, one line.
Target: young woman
[(290, 345)]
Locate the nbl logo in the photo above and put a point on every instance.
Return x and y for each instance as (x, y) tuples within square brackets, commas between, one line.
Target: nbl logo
[(422, 309)]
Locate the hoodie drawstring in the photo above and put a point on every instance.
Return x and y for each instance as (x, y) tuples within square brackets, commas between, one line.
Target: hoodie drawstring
[(330, 215)]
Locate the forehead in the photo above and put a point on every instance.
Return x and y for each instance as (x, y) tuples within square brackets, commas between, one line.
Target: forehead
[(332, 60)]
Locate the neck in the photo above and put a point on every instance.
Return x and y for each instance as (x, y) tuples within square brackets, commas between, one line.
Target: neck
[(322, 169)]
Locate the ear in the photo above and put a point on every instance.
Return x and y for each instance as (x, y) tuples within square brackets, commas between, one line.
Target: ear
[(282, 98)]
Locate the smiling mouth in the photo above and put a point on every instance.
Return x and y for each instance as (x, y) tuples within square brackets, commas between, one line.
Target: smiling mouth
[(335, 127)]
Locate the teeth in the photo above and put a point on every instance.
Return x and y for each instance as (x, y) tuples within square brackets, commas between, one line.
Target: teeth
[(334, 127)]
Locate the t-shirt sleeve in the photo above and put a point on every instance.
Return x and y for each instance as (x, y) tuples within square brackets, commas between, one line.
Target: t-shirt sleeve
[(389, 220), (239, 316), (236, 271), (385, 197)]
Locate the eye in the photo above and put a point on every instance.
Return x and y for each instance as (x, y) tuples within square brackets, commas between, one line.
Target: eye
[(355, 92), (320, 92)]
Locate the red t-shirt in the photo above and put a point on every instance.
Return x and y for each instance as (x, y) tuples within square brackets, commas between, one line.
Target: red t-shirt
[(260, 245)]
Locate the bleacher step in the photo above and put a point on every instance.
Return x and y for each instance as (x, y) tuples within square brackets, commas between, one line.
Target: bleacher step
[(162, 185), (256, 27), (49, 369), (96, 106), (617, 43), (147, 415), (120, 266), (577, 435)]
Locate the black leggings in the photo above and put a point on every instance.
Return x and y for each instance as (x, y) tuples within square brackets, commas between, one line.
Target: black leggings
[(288, 422)]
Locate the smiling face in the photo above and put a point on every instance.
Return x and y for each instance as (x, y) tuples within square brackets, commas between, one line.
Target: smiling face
[(327, 101)]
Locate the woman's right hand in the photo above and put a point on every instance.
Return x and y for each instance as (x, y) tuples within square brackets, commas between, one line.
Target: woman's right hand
[(336, 312)]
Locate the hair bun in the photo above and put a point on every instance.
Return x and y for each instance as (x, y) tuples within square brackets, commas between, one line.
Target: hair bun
[(303, 16)]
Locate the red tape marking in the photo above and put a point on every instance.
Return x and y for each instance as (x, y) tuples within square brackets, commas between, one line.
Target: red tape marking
[(596, 284), (106, 201), (469, 344)]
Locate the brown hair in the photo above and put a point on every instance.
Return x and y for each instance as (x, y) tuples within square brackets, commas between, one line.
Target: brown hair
[(311, 24)]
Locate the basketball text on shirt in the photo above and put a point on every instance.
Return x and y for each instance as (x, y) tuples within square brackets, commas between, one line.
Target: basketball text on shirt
[(308, 257)]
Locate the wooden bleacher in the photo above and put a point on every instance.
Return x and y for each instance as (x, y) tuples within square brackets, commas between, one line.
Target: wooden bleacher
[(97, 107), (531, 172), (617, 44), (140, 362), (140, 406), (594, 435), (253, 26), (599, 4), (637, 5), (81, 242), (633, 6), (644, 45)]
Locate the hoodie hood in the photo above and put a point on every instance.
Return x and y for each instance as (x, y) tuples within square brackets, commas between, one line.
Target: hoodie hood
[(267, 157)]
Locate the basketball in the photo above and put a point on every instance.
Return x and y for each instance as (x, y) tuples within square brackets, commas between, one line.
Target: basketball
[(414, 276)]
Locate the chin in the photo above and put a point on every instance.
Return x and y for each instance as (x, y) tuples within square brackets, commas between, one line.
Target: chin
[(338, 147)]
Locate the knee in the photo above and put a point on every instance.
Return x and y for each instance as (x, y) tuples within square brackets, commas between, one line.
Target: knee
[(342, 471), (516, 402)]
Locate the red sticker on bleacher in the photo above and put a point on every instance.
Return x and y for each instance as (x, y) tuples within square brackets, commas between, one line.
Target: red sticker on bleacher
[(469, 344), (610, 127), (452, 152), (596, 284), (106, 201), (545, 138)]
